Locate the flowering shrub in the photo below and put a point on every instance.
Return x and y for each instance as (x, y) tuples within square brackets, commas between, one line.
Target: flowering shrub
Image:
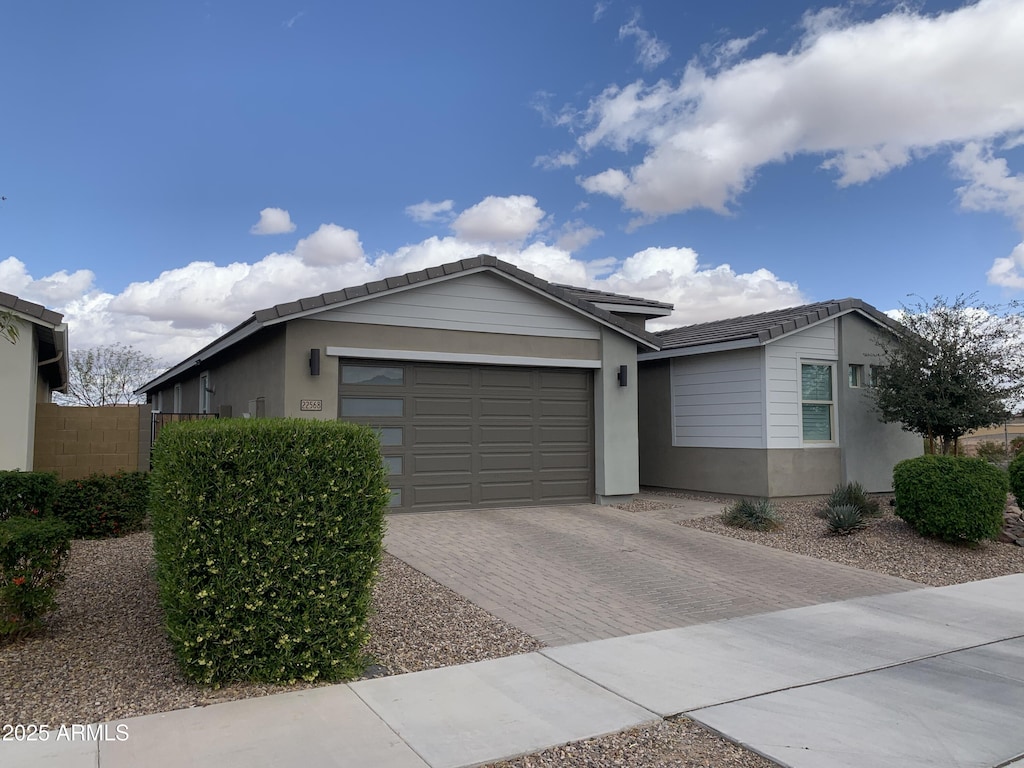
[(100, 506), (28, 494), (268, 534), (32, 554)]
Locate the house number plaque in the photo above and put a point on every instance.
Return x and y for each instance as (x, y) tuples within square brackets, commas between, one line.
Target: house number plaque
[(311, 405)]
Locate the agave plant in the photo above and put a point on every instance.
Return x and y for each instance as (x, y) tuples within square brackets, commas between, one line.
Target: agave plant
[(852, 494), (753, 514), (844, 519)]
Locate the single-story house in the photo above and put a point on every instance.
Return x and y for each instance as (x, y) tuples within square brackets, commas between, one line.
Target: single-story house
[(31, 368), (773, 404), (489, 386)]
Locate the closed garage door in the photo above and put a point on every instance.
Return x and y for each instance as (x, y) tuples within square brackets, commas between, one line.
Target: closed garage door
[(463, 436)]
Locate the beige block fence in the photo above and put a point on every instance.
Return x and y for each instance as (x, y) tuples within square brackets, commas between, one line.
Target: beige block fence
[(76, 441)]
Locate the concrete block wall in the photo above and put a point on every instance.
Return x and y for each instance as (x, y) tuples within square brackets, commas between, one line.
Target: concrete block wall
[(75, 441)]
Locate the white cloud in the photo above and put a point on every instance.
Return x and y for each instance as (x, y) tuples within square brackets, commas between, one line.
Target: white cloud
[(330, 245), (990, 184), (499, 220), (427, 211), (49, 291), (599, 9), (650, 51), (575, 235), (556, 160), (273, 221), (868, 96), (1008, 272), (730, 50), (291, 22)]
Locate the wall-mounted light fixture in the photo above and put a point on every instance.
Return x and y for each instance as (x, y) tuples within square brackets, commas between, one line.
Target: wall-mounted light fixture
[(623, 372), (314, 362)]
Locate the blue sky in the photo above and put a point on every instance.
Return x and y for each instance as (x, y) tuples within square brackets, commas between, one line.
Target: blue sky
[(171, 167)]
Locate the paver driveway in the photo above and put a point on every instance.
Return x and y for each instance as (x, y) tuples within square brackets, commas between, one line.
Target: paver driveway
[(567, 574)]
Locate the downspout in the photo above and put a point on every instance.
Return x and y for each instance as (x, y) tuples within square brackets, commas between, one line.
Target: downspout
[(57, 359)]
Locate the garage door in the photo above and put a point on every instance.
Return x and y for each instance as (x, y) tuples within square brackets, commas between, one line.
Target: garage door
[(464, 436)]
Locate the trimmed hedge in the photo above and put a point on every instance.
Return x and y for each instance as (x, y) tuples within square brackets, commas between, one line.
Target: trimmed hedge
[(26, 494), (1016, 472), (951, 498), (100, 506), (268, 534), (32, 554)]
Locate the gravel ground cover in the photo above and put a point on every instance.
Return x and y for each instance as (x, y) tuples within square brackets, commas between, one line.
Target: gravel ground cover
[(672, 743), (105, 656), (887, 545)]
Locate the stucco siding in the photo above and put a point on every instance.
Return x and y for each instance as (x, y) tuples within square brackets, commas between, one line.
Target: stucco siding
[(615, 419), (871, 448), (718, 400), (480, 302), (803, 471), (19, 381), (782, 379)]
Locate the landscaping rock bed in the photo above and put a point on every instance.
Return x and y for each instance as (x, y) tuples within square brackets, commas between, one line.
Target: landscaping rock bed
[(105, 655), (886, 545)]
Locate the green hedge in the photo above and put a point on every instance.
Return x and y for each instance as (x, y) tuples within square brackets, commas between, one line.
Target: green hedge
[(951, 498), (32, 554), (1017, 479), (29, 494), (100, 506), (268, 534)]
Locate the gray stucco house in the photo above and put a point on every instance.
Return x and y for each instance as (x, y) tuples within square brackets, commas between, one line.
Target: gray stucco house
[(31, 368), (773, 404), (489, 386)]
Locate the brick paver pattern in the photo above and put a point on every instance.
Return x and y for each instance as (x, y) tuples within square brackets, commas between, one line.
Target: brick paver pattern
[(567, 574)]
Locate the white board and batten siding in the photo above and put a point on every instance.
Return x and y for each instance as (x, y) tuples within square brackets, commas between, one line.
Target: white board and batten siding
[(783, 380), (718, 400), (478, 301)]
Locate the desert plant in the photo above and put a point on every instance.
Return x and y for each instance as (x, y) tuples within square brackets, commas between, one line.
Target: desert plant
[(752, 514), (949, 497), (993, 452), (853, 494), (1016, 472), (844, 519), (268, 534), (29, 494), (100, 506), (32, 554)]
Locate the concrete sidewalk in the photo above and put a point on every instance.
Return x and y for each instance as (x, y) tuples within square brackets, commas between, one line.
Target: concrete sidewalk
[(927, 677)]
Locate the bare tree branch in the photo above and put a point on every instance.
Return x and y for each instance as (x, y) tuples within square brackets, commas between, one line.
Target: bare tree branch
[(107, 375)]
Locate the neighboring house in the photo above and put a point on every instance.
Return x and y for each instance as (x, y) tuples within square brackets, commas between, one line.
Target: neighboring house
[(489, 386), (775, 404), (30, 370)]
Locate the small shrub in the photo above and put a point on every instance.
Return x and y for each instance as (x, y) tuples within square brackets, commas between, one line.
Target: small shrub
[(949, 497), (844, 519), (268, 534), (32, 554), (1016, 472), (752, 514), (993, 453), (101, 506), (851, 494), (28, 494), (1017, 446)]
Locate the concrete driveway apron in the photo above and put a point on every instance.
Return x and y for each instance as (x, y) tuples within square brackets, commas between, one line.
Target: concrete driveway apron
[(567, 574)]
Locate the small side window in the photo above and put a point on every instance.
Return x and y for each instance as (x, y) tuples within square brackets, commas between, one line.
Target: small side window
[(856, 376)]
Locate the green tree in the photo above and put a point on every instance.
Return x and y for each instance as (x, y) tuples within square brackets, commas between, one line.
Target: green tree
[(954, 367), (9, 326), (106, 375)]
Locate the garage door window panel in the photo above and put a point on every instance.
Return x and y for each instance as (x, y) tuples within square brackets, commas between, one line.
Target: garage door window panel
[(373, 375)]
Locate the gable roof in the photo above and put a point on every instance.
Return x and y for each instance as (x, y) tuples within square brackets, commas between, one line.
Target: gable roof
[(762, 328), (312, 305), (51, 334)]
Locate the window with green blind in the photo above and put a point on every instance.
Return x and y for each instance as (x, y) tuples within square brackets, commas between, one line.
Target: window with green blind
[(816, 401)]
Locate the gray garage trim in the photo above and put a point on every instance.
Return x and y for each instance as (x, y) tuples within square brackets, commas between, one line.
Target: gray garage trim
[(473, 436)]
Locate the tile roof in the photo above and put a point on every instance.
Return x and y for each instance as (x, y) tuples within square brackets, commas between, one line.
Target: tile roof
[(764, 327), (48, 316)]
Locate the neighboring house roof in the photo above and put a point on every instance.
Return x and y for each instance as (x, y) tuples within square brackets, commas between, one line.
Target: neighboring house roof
[(52, 336), (314, 304), (762, 328)]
